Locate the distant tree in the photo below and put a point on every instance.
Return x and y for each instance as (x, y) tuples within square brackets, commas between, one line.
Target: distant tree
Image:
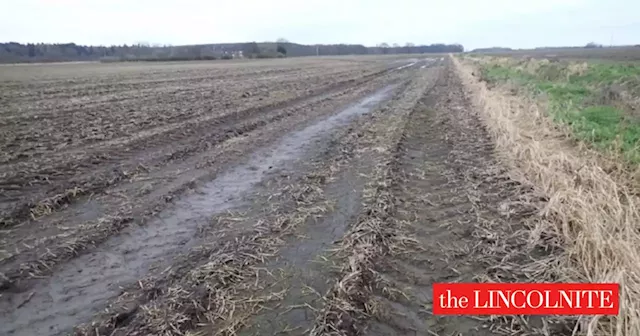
[(251, 49), (195, 52), (593, 45), (31, 50), (282, 40), (409, 47), (385, 47), (281, 49)]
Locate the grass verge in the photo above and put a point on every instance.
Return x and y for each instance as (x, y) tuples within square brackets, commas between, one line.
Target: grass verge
[(596, 100), (591, 215)]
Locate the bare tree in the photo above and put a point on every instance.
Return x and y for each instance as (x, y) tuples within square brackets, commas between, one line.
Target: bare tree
[(409, 47)]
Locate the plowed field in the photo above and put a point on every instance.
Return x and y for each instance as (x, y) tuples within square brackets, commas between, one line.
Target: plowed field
[(314, 196)]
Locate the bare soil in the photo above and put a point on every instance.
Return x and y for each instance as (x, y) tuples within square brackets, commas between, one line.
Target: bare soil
[(318, 196)]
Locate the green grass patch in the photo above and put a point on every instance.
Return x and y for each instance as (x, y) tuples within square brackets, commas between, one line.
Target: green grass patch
[(564, 91), (498, 73), (609, 73), (572, 96)]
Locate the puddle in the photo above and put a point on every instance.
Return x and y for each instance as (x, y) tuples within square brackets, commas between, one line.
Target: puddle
[(393, 66), (82, 286), (406, 66)]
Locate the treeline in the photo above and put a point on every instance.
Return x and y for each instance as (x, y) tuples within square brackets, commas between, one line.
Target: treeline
[(13, 52), (63, 52), (410, 48), (357, 49)]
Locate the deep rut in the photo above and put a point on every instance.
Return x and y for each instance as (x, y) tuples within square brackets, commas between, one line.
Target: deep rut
[(439, 197), (448, 185)]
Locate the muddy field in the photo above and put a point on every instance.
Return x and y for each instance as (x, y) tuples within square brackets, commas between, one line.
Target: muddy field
[(314, 196)]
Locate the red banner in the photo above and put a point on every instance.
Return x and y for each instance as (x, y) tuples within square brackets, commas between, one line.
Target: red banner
[(525, 299)]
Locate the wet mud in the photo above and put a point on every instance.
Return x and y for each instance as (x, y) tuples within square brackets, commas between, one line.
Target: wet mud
[(83, 285), (308, 219)]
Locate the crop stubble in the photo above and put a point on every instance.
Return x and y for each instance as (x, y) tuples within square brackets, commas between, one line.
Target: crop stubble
[(370, 207), (53, 181), (149, 170), (52, 155)]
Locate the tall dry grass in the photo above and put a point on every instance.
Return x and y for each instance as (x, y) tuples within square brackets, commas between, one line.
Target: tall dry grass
[(591, 213)]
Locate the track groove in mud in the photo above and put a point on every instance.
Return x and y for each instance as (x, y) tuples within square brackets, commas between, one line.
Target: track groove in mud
[(436, 203), (432, 207), (347, 304)]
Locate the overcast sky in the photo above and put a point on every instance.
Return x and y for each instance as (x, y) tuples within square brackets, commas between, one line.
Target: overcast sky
[(473, 23)]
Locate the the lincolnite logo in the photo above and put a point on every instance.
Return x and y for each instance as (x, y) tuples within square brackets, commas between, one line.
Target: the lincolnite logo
[(525, 299)]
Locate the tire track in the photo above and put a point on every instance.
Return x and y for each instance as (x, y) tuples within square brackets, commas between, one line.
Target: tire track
[(436, 200)]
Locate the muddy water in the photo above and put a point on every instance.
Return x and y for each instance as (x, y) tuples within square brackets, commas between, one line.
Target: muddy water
[(81, 287), (407, 65)]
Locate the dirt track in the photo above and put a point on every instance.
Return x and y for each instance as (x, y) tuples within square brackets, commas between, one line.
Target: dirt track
[(296, 196)]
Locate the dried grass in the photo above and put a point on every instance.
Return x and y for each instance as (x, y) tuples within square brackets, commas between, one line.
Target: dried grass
[(592, 209)]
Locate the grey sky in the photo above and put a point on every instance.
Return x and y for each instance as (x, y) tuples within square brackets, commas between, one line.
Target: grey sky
[(473, 23)]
